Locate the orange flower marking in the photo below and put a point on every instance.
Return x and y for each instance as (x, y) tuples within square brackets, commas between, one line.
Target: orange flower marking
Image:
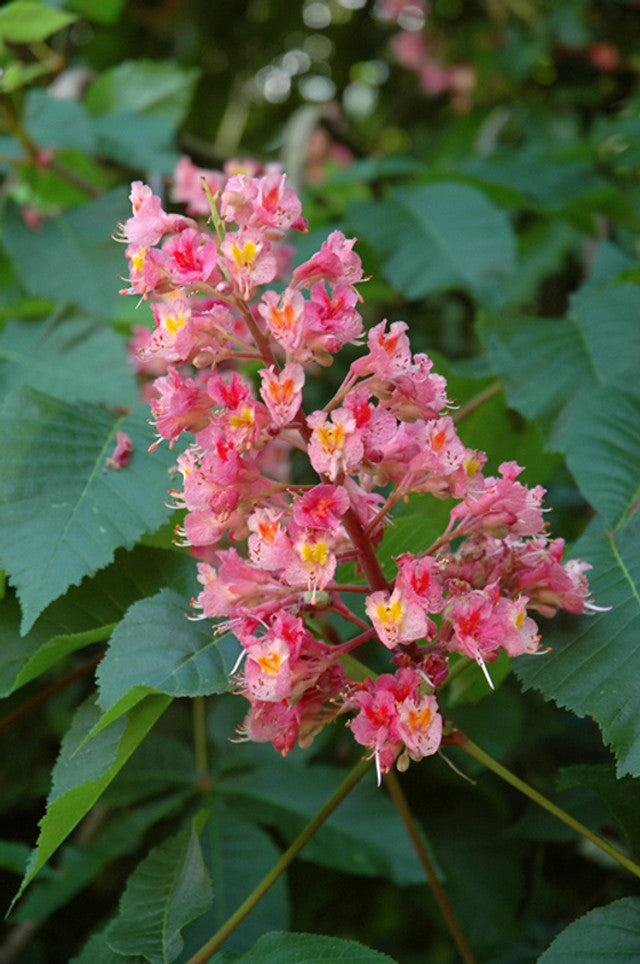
[(270, 663), (419, 719), (268, 531), (331, 438), (438, 440)]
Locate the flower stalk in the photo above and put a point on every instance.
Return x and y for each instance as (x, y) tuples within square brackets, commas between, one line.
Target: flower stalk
[(207, 951), (472, 750)]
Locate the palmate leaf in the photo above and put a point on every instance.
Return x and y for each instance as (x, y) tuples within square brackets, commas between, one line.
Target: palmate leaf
[(97, 951), (77, 867), (170, 888), (27, 21), (576, 377), (87, 613), (148, 86), (74, 359), (84, 770), (238, 855), (622, 796), (606, 934), (304, 949), (594, 663), (157, 649), (83, 262), (439, 236), (62, 515), (602, 444), (363, 836)]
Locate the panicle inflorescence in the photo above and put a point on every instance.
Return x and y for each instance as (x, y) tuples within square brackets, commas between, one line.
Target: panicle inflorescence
[(272, 552)]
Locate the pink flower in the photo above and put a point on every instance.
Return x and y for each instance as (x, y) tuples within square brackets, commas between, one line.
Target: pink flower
[(191, 258), (188, 189), (269, 543), (121, 453), (181, 406), (149, 222), (331, 320), (321, 508), (335, 447), (276, 206), (505, 505), (311, 562), (335, 262), (282, 393), (396, 617), (394, 715), (248, 258), (420, 579), (285, 317)]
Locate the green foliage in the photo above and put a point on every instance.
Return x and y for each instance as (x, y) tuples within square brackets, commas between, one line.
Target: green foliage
[(593, 669), (74, 511), (26, 21), (168, 889), (154, 650), (82, 261), (606, 934), (82, 772), (304, 948), (437, 237)]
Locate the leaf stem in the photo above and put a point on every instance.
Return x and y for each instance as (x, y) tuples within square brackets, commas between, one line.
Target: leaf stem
[(208, 950), (493, 389), (60, 684), (400, 801), (474, 751)]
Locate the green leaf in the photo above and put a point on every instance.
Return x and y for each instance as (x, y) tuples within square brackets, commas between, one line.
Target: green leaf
[(144, 141), (78, 867), (73, 359), (61, 514), (157, 649), (56, 122), (98, 11), (13, 856), (609, 933), (364, 835), (575, 354), (238, 855), (587, 402), (26, 22), (306, 949), (83, 262), (622, 796), (439, 236), (97, 951), (602, 442), (82, 772), (18, 75), (170, 888), (414, 529), (144, 86), (160, 765), (86, 614), (594, 663), (523, 348)]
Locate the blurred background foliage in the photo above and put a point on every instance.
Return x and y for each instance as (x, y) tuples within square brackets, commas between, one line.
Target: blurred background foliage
[(487, 155)]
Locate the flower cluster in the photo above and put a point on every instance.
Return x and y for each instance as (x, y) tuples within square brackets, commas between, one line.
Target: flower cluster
[(272, 552)]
